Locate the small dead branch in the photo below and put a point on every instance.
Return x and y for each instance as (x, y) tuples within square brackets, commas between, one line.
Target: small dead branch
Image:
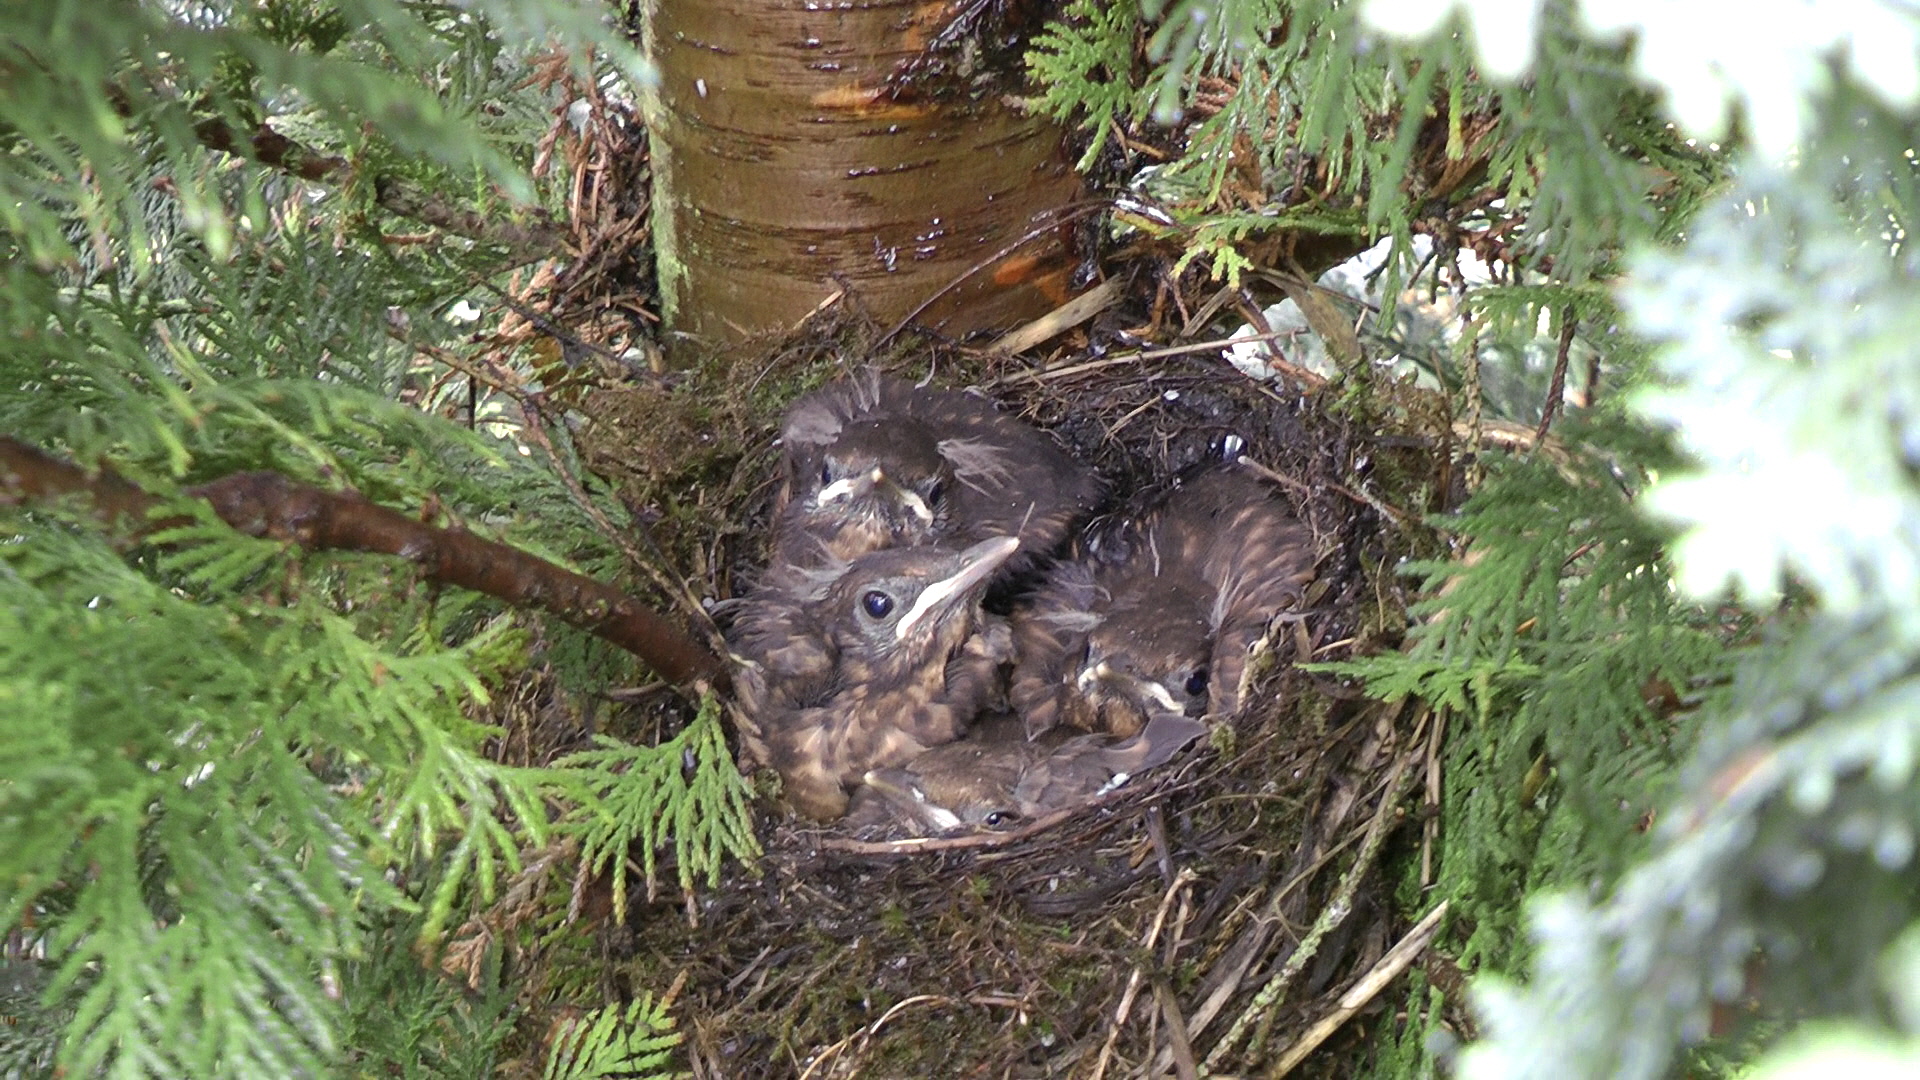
[(1397, 516), (1259, 1015), (1125, 1009), (268, 505), (1069, 213), (1557, 388), (866, 1035), (1308, 378), (1375, 980), (1430, 828), (1063, 318), (537, 238)]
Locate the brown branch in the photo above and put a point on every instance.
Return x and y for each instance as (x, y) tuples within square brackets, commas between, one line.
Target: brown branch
[(267, 504), (274, 150), (1557, 388), (539, 239)]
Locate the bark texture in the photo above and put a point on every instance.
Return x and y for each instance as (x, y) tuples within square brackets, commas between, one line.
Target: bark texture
[(793, 158)]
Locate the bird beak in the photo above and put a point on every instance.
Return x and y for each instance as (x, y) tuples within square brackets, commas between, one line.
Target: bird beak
[(897, 787), (976, 564), (853, 487), (1165, 735), (1102, 676), (904, 495), (865, 485), (916, 504)]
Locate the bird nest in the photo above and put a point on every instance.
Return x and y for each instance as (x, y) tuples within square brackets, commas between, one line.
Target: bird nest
[(1226, 911)]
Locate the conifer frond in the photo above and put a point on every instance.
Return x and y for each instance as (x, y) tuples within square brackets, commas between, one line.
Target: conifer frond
[(158, 788), (406, 1020), (1301, 95), (635, 1042), (1542, 640), (1084, 64), (686, 792), (1783, 866), (1788, 329)]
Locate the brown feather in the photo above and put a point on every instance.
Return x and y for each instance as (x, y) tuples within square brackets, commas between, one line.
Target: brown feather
[(1161, 614), (996, 776), (974, 471), (869, 671)]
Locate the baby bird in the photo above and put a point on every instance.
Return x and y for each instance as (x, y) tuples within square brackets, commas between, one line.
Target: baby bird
[(881, 659), (874, 461), (1097, 649), (1161, 614), (997, 777)]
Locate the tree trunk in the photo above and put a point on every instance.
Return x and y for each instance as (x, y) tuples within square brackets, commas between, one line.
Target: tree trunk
[(792, 159)]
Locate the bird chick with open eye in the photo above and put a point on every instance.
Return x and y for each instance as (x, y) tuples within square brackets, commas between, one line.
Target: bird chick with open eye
[(997, 778), (873, 462), (1253, 555), (912, 661), (1161, 614)]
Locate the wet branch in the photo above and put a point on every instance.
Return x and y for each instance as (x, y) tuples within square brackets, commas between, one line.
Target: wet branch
[(268, 505)]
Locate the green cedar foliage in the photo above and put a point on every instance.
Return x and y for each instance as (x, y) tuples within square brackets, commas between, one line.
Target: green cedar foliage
[(1784, 865), (684, 792), (1761, 246), (86, 82), (1562, 611), (1781, 866), (1310, 83), (1539, 645), (615, 1043), (238, 782), (404, 1019)]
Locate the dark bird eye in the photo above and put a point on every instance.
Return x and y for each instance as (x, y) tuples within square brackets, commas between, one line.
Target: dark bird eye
[(933, 493), (826, 474), (999, 818), (877, 604), (1197, 682)]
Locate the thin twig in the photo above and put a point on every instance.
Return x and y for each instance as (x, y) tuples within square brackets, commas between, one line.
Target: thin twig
[(1365, 990), (1470, 346), (1237, 960), (1557, 388), (1430, 832), (867, 1033), (872, 1029), (1185, 1065), (1061, 319), (1125, 1009), (1396, 516), (540, 237), (1064, 370), (1257, 1018), (272, 506), (1071, 213), (533, 409)]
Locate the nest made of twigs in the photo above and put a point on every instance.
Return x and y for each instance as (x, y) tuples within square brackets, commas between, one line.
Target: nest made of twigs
[(1214, 911)]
